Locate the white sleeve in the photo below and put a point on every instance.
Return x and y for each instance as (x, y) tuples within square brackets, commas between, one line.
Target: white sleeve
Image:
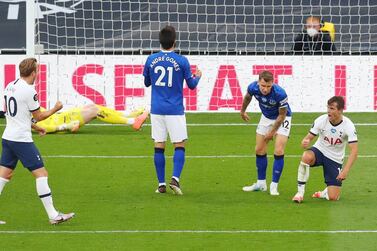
[(351, 133), (316, 126), (32, 100)]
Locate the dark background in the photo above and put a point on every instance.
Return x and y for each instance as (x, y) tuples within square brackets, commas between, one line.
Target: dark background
[(210, 26)]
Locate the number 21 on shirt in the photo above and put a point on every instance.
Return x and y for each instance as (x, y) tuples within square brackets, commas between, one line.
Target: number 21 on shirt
[(162, 71)]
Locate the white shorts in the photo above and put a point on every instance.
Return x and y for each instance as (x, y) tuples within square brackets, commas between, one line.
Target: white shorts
[(265, 126), (174, 125)]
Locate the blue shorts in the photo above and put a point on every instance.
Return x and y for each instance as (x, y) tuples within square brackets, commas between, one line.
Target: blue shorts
[(26, 152), (331, 169)]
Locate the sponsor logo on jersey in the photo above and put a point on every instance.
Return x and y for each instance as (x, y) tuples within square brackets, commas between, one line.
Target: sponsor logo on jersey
[(333, 141)]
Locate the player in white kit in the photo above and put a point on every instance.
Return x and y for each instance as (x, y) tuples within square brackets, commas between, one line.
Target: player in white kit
[(334, 131), (21, 104)]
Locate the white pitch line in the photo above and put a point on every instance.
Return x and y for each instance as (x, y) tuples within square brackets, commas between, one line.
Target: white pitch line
[(210, 124), (188, 157), (228, 124), (188, 231)]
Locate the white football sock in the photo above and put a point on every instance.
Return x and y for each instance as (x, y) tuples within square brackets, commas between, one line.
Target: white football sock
[(130, 121), (44, 193), (325, 194), (302, 177), (3, 182), (162, 184), (176, 178)]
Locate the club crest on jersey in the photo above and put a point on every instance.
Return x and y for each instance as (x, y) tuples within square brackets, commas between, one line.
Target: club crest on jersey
[(333, 141), (333, 130), (272, 102)]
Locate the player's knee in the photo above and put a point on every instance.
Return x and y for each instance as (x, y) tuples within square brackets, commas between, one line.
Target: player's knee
[(179, 144), (260, 150), (6, 173), (279, 151), (8, 176), (308, 158), (40, 172), (91, 109), (160, 145), (334, 197)]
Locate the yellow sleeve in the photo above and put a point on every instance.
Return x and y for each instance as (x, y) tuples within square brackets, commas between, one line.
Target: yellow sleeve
[(330, 28)]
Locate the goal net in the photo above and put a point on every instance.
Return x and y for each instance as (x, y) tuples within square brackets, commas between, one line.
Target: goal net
[(94, 51)]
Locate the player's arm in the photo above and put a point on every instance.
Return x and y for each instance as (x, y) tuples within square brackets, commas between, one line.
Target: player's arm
[(38, 129), (147, 81), (39, 115), (313, 132), (245, 103), (305, 143), (351, 159), (280, 119), (192, 80), (147, 78)]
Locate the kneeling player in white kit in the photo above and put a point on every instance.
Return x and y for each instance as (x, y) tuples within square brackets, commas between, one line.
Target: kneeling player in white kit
[(334, 131), (21, 102)]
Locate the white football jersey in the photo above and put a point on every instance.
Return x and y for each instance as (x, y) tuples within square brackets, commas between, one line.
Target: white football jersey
[(332, 139), (20, 100)]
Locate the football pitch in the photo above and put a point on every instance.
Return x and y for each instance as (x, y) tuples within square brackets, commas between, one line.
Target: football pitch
[(105, 174)]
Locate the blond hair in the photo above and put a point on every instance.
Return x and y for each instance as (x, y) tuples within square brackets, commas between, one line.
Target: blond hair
[(27, 66), (266, 75)]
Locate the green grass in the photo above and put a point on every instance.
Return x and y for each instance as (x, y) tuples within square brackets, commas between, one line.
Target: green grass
[(118, 194)]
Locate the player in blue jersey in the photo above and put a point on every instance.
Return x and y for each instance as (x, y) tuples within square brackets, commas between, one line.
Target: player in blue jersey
[(165, 72), (275, 122)]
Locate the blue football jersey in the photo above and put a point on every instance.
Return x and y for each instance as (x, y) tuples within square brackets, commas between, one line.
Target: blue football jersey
[(165, 71), (270, 104)]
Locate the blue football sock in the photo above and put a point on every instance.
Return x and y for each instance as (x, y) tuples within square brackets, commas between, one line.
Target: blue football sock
[(179, 161), (159, 163), (278, 167), (261, 166)]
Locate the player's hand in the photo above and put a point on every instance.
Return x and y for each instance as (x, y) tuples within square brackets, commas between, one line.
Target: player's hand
[(58, 106), (245, 117), (198, 73), (42, 132), (269, 136), (342, 175), (305, 143)]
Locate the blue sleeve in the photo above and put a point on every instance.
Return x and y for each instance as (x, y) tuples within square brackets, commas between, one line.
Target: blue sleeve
[(250, 89), (147, 77), (282, 99), (191, 80)]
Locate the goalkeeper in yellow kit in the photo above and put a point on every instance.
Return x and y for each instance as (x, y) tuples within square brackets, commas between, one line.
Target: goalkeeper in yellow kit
[(72, 119)]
